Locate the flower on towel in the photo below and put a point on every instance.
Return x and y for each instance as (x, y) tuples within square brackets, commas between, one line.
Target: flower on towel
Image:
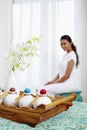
[(21, 55)]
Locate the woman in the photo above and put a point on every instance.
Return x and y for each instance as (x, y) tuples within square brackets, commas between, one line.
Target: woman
[(65, 81)]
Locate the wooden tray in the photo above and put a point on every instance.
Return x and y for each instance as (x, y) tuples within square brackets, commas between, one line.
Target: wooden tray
[(34, 116)]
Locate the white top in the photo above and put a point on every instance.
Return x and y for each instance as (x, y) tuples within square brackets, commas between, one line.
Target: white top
[(63, 65)]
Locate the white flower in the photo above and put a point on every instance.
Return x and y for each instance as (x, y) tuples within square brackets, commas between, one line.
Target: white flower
[(20, 55)]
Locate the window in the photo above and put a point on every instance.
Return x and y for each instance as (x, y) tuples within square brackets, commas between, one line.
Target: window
[(49, 19)]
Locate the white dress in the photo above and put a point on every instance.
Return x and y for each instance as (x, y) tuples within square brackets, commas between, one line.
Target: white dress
[(68, 85)]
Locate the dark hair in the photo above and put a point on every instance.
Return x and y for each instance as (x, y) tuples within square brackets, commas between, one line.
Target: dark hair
[(68, 38)]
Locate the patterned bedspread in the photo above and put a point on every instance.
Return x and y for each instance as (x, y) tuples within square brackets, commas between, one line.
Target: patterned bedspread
[(75, 118)]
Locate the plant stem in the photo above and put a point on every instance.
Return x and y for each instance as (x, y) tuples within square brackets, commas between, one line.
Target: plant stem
[(13, 68)]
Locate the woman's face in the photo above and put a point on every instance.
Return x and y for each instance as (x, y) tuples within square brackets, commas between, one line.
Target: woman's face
[(66, 46)]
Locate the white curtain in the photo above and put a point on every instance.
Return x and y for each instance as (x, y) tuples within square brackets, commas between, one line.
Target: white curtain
[(49, 19), (5, 36), (81, 40)]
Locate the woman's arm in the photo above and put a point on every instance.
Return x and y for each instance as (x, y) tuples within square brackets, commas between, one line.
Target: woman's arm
[(68, 72), (56, 78), (53, 81)]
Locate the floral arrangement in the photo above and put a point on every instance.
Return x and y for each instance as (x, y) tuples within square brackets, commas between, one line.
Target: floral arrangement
[(20, 55)]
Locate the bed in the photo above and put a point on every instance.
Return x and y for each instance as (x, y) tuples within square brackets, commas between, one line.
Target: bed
[(75, 118)]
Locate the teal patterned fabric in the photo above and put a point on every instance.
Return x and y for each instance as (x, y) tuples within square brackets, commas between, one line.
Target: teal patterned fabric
[(75, 118)]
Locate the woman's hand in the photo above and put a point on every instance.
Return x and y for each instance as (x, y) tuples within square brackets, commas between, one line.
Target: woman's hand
[(50, 82), (53, 81)]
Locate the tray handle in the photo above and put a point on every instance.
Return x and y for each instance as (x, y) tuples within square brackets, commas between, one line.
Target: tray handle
[(60, 101), (3, 95)]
